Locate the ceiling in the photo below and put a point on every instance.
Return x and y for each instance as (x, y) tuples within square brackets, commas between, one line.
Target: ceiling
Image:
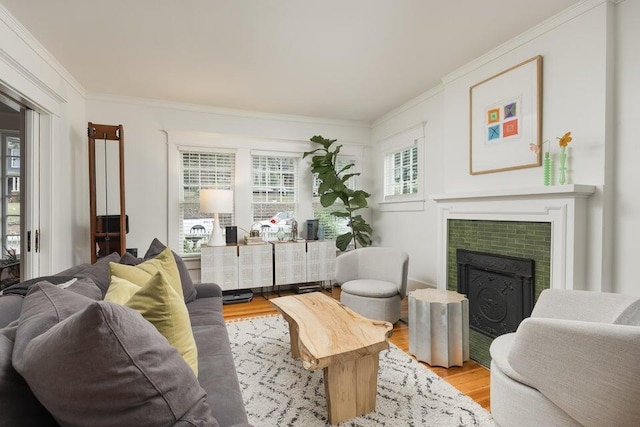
[(345, 59)]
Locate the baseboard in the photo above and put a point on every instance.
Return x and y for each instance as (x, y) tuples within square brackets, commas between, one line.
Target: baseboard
[(413, 284)]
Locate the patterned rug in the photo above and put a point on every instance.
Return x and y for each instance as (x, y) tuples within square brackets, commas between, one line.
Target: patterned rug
[(278, 391)]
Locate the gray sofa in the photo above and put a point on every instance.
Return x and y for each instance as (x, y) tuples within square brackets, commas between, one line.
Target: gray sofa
[(574, 362), (174, 395)]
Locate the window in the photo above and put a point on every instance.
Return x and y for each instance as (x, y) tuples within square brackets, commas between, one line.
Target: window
[(274, 188), (202, 170), (332, 226), (401, 172), (11, 192)]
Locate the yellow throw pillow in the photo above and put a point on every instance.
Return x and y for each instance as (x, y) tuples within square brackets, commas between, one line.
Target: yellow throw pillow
[(120, 290), (141, 273), (161, 305)]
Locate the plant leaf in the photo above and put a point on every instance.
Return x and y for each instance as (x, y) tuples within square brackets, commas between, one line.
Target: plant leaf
[(363, 239), (343, 240), (327, 199), (308, 153)]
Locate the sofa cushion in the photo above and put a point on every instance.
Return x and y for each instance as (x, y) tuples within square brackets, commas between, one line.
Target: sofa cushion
[(44, 306), (161, 305), (106, 365), (217, 373), (141, 273), (189, 290), (80, 285), (18, 405), (370, 288), (10, 307), (98, 272)]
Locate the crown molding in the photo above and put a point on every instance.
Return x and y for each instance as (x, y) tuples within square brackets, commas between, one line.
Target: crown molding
[(425, 96), (23, 34), (544, 27), (198, 108)]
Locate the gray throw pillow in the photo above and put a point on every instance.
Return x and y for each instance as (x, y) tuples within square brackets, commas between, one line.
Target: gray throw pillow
[(108, 366), (18, 406), (44, 306), (188, 289), (98, 272)]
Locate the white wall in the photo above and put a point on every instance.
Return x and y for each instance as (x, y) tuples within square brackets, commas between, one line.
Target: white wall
[(146, 124), (576, 96), (29, 74), (626, 212)]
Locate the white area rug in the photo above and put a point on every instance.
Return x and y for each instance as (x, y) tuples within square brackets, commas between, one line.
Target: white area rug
[(278, 391)]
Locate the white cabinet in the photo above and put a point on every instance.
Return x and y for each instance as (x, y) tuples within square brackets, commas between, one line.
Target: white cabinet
[(219, 265), (276, 264), (237, 267), (321, 260), (290, 262), (255, 266)]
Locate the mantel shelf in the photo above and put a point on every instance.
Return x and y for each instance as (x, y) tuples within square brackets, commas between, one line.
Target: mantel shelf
[(555, 191)]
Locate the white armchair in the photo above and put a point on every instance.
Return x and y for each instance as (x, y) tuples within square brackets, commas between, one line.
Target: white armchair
[(575, 361), (373, 281)]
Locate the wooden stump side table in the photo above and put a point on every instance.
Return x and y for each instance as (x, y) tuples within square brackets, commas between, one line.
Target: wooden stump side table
[(439, 327)]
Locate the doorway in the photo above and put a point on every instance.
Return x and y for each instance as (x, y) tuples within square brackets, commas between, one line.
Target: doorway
[(11, 191)]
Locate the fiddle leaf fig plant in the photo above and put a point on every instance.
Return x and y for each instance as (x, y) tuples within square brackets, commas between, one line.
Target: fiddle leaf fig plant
[(333, 187)]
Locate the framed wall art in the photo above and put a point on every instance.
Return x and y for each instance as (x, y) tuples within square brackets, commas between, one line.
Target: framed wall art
[(505, 118)]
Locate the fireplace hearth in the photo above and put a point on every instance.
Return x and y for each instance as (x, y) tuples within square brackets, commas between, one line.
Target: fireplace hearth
[(500, 290)]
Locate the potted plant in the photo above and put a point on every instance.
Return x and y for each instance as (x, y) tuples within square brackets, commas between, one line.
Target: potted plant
[(333, 188)]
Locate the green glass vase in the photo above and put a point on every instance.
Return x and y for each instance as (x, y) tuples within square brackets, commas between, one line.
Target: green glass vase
[(562, 179), (546, 165)]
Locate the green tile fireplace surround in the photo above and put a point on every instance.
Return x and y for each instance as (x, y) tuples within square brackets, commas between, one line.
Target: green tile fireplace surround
[(530, 240)]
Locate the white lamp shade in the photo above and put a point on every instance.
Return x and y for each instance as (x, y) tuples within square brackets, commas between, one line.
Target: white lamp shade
[(216, 201)]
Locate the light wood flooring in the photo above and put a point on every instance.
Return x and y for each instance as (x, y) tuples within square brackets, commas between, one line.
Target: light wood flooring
[(471, 379)]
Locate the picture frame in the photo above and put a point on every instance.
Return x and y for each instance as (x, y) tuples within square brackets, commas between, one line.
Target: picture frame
[(505, 119)]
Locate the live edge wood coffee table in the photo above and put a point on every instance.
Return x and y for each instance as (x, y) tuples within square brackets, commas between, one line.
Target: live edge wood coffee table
[(327, 335)]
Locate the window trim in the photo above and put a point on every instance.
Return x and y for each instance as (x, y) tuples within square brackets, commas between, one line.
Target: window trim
[(396, 143), (183, 203)]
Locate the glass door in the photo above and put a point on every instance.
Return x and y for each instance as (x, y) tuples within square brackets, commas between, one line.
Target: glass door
[(11, 228)]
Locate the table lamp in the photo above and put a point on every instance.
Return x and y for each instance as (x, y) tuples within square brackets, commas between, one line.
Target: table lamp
[(216, 202)]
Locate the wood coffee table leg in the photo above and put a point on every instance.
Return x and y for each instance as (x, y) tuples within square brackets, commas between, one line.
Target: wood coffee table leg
[(293, 337), (351, 388)]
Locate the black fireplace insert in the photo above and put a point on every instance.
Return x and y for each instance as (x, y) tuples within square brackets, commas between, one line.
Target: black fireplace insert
[(499, 288)]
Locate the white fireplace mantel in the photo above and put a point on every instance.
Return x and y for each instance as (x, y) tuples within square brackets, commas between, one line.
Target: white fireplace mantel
[(564, 206)]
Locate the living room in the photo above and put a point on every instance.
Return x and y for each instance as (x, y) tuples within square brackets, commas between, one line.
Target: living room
[(589, 85)]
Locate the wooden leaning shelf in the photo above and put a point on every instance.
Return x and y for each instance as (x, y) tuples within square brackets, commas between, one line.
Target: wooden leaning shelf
[(107, 239)]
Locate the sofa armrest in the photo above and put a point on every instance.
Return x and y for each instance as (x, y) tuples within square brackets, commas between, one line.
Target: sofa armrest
[(581, 305), (207, 290), (589, 370)]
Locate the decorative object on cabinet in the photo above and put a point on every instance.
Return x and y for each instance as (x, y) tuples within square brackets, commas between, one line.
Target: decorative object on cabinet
[(108, 232), (231, 235), (216, 202), (546, 163), (505, 114), (564, 141), (333, 187), (312, 229)]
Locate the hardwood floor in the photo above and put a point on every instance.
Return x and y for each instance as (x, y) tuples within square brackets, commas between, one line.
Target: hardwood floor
[(471, 379)]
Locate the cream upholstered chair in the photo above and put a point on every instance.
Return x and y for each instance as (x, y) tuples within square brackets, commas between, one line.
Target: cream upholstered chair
[(373, 281), (575, 361)]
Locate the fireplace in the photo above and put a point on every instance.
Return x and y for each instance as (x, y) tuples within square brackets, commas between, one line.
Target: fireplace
[(500, 290)]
